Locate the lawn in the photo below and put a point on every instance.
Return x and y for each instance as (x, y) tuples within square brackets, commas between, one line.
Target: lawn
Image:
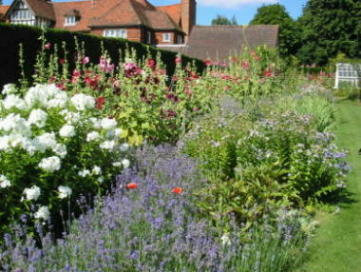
[(337, 244)]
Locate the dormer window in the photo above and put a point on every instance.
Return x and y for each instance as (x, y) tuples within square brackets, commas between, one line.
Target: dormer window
[(70, 20), (167, 37)]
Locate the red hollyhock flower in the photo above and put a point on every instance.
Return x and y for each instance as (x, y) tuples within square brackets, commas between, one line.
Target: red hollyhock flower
[(268, 73), (61, 61), (178, 60), (132, 185), (177, 190), (208, 62), (100, 101)]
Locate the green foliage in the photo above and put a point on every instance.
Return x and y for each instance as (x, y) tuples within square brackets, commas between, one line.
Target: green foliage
[(289, 35), (328, 28), (222, 20), (13, 35)]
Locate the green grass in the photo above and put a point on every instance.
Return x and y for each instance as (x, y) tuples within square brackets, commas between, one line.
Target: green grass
[(336, 246)]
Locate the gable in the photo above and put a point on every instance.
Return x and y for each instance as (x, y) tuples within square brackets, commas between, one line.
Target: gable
[(39, 8)]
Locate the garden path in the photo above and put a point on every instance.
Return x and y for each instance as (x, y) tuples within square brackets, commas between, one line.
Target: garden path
[(337, 244)]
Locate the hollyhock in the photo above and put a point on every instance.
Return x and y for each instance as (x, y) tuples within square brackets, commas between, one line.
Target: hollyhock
[(64, 192), (100, 101), (32, 193)]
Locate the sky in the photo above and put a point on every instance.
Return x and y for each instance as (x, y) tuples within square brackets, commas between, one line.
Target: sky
[(243, 10)]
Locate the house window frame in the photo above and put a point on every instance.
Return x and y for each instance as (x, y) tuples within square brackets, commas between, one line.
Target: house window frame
[(115, 33), (167, 37), (70, 20)]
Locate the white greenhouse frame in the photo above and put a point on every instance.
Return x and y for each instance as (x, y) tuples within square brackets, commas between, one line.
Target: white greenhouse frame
[(347, 72)]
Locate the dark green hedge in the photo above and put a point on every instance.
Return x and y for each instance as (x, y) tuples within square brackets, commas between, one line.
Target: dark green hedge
[(14, 35)]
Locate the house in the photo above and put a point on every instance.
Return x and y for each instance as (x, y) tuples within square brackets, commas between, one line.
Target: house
[(136, 20), (218, 43)]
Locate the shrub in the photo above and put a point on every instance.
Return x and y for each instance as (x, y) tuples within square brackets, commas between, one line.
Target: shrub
[(147, 225), (53, 148)]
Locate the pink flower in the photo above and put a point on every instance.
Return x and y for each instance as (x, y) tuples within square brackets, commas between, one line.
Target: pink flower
[(85, 60), (245, 64), (178, 60), (47, 46), (105, 65)]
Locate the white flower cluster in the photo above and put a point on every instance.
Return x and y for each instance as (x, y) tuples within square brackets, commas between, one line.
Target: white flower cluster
[(44, 124)]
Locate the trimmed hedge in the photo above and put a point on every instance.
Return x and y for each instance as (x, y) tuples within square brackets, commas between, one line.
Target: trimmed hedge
[(14, 35)]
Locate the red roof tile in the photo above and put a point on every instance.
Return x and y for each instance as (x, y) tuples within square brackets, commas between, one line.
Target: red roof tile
[(84, 9), (174, 11), (42, 8)]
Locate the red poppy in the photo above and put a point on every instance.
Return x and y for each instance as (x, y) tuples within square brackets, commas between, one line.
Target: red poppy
[(177, 190), (132, 185), (100, 101)]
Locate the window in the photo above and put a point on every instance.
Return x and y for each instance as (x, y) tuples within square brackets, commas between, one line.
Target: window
[(70, 20), (167, 37), (116, 33), (149, 37)]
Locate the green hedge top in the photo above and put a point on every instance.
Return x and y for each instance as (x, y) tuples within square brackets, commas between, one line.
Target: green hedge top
[(14, 35)]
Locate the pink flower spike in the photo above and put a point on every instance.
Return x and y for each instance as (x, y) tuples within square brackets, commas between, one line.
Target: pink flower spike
[(85, 60), (47, 46)]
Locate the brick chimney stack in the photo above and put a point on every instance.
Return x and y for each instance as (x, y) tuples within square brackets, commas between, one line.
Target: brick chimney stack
[(189, 9)]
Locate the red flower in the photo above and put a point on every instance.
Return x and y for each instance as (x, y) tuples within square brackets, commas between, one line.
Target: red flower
[(268, 73), (208, 62), (61, 61), (177, 190), (100, 101), (245, 65), (132, 185), (151, 63)]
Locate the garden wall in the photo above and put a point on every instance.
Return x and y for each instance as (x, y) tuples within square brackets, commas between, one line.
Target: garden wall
[(14, 35)]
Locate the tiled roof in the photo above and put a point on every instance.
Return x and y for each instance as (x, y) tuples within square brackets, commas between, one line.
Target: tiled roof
[(131, 12), (219, 42), (108, 13), (174, 11), (64, 8), (42, 8), (3, 10)]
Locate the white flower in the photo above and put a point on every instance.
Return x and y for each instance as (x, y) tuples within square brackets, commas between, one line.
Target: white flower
[(60, 150), (46, 141), (38, 118), (42, 213), (125, 163), (50, 164), (70, 117), (41, 94), (107, 123), (107, 145), (118, 131), (9, 89), (226, 241), (4, 142), (83, 102), (59, 101), (96, 123), (96, 170), (124, 147), (100, 179), (4, 182), (32, 193), (14, 101), (117, 164), (84, 173), (67, 131), (64, 191), (16, 124), (92, 136)]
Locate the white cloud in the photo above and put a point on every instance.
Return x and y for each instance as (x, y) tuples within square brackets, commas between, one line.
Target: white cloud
[(233, 3)]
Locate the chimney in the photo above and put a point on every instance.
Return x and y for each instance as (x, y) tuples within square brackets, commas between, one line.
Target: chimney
[(189, 8)]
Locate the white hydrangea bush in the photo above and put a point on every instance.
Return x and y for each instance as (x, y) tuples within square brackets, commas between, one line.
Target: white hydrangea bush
[(54, 147)]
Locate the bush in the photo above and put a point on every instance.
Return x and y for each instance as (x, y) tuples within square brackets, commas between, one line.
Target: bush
[(53, 148), (151, 224)]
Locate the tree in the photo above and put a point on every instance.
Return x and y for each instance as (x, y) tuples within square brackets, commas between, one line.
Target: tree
[(289, 35), (222, 20), (330, 27)]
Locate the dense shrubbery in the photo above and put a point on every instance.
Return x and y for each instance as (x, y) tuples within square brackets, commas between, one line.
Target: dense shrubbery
[(261, 150), (151, 224)]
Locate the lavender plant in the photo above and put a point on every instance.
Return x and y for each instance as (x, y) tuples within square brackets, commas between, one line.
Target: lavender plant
[(150, 223)]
